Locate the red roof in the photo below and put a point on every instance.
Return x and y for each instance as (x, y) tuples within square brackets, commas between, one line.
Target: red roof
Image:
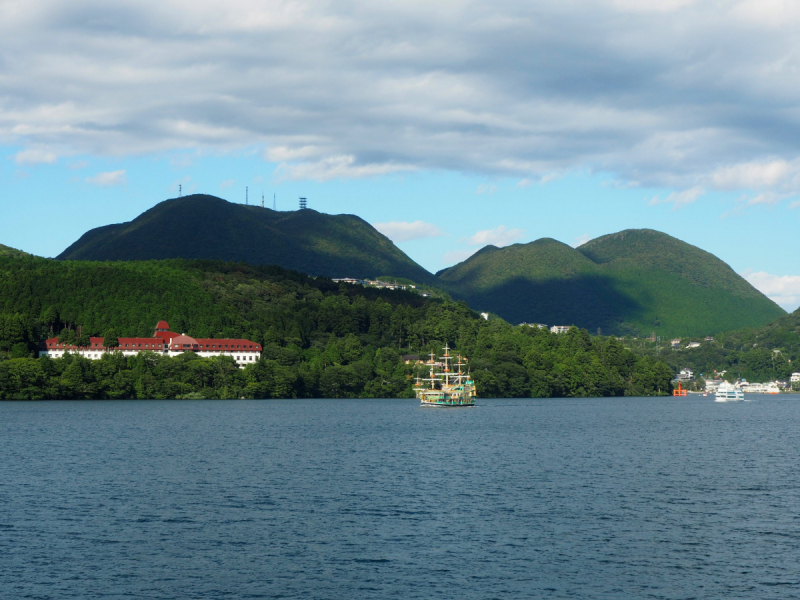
[(183, 341), (97, 343), (167, 339), (206, 343), (166, 335), (140, 343), (162, 325)]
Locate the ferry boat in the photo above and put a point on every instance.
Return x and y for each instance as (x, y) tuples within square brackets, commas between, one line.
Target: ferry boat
[(729, 392), (446, 386)]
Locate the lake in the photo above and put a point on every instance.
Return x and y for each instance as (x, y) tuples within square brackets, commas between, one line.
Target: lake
[(328, 499)]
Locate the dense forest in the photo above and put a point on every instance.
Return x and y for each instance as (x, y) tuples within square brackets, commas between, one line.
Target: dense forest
[(321, 339)]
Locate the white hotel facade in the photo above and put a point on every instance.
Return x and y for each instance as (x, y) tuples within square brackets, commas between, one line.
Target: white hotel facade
[(164, 342)]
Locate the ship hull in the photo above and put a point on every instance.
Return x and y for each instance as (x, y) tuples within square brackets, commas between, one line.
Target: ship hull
[(447, 404)]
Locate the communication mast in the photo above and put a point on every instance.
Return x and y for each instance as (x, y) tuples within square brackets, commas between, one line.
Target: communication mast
[(303, 203), (246, 194), (180, 191), (274, 203), (262, 199)]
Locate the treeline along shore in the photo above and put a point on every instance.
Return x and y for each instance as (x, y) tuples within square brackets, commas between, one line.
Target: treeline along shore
[(320, 338)]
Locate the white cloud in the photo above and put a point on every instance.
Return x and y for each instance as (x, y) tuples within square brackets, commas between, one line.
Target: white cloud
[(35, 156), (679, 198), (581, 240), (656, 6), (784, 290), (108, 179), (795, 204), (402, 231), (768, 13), (358, 89), (756, 174), (486, 189), (337, 167), (499, 236)]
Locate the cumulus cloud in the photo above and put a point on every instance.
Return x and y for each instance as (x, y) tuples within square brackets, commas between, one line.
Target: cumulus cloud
[(402, 231), (35, 156), (784, 290), (335, 89), (108, 179), (499, 236)]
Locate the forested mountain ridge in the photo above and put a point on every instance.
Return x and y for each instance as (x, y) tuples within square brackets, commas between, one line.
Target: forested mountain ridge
[(320, 339), (206, 227), (8, 251), (632, 282)]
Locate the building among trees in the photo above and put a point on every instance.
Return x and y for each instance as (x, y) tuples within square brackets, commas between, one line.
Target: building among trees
[(164, 342)]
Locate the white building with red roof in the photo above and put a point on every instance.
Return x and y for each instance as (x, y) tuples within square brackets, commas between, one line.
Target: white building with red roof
[(164, 342)]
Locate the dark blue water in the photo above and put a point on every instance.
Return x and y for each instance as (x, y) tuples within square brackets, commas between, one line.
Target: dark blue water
[(598, 498)]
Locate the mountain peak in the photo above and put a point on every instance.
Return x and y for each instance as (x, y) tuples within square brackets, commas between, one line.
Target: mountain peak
[(632, 281), (200, 226)]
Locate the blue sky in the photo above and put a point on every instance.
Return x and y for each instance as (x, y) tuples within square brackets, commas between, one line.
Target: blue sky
[(447, 128)]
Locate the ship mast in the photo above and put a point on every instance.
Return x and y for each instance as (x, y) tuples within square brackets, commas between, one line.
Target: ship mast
[(446, 364)]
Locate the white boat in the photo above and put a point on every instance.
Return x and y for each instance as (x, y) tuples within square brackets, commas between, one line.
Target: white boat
[(729, 392)]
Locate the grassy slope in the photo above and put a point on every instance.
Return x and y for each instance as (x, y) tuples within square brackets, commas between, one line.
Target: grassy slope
[(207, 227), (632, 281)]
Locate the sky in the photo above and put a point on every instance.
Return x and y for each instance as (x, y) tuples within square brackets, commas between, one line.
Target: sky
[(447, 125)]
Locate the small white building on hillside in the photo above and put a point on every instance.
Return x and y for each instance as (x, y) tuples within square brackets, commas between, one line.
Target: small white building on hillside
[(560, 328)]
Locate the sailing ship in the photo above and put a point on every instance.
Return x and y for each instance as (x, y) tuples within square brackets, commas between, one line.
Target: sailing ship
[(447, 384)]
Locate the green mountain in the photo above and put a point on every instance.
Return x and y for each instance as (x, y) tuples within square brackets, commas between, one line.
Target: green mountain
[(634, 281), (8, 251), (206, 227)]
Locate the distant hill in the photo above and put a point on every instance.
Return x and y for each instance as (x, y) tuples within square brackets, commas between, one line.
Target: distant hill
[(634, 281), (207, 227)]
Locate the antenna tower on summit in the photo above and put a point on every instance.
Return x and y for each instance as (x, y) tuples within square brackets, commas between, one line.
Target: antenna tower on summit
[(246, 195), (303, 203), (180, 191), (262, 199), (274, 203)]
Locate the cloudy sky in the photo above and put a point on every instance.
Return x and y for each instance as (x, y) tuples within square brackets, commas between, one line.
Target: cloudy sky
[(448, 125)]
